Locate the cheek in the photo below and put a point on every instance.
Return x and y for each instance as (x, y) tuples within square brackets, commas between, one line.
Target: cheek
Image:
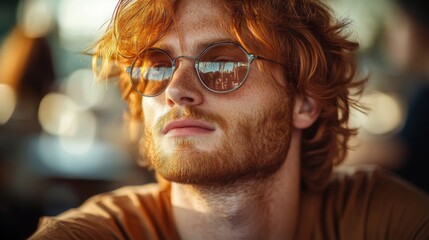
[(149, 106), (266, 92)]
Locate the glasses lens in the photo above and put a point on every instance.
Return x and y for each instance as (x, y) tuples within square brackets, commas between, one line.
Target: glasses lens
[(223, 67), (151, 72)]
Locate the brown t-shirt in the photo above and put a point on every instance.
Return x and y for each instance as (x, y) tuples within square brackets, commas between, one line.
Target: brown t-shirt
[(357, 204)]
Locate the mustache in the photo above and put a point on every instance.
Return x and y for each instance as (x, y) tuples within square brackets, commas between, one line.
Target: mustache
[(189, 113)]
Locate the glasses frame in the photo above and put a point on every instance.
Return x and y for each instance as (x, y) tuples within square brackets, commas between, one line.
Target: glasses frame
[(250, 58)]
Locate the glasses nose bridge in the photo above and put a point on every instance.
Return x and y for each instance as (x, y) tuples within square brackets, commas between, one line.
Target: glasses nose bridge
[(174, 60), (176, 67)]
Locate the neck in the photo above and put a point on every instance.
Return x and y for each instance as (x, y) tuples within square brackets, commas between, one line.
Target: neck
[(254, 209)]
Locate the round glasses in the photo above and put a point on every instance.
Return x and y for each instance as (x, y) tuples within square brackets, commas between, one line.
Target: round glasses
[(221, 68)]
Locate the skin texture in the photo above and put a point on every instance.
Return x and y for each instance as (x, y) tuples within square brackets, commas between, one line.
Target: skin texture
[(251, 122), (233, 177)]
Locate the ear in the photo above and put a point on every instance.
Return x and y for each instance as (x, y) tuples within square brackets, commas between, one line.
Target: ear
[(305, 112)]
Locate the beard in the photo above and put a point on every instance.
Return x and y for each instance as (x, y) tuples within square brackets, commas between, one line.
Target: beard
[(252, 147)]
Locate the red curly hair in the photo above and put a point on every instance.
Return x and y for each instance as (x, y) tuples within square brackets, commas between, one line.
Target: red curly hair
[(303, 35)]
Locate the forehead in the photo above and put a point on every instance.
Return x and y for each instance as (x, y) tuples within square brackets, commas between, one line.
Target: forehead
[(197, 24)]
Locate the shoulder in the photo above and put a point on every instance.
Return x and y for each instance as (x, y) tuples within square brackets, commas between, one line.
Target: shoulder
[(140, 212), (146, 197), (130, 201), (369, 181), (375, 202)]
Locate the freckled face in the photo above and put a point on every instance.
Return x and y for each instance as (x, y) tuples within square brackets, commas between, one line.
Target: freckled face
[(196, 136)]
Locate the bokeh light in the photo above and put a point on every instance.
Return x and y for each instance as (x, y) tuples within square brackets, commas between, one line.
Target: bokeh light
[(36, 17), (7, 103), (82, 88), (76, 128), (365, 16), (385, 115), (57, 114), (80, 22), (84, 135), (101, 161)]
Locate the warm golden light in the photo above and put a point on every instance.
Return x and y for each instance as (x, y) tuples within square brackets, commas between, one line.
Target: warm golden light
[(81, 86), (385, 115), (76, 128), (7, 103), (57, 114)]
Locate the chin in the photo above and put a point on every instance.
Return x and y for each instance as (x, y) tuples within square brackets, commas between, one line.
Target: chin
[(189, 165)]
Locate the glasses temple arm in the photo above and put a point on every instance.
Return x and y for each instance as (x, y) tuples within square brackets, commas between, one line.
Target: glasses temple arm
[(266, 59)]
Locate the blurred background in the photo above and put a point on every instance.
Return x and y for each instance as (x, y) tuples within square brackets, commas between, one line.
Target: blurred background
[(62, 137)]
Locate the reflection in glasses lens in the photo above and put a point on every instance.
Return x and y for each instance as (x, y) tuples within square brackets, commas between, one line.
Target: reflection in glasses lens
[(221, 68), (151, 72)]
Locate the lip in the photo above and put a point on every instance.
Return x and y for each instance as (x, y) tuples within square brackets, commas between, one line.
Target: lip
[(186, 127)]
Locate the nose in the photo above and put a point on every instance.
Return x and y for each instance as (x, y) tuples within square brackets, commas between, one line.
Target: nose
[(184, 88)]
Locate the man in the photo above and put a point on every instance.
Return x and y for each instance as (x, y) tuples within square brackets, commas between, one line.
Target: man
[(246, 158)]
